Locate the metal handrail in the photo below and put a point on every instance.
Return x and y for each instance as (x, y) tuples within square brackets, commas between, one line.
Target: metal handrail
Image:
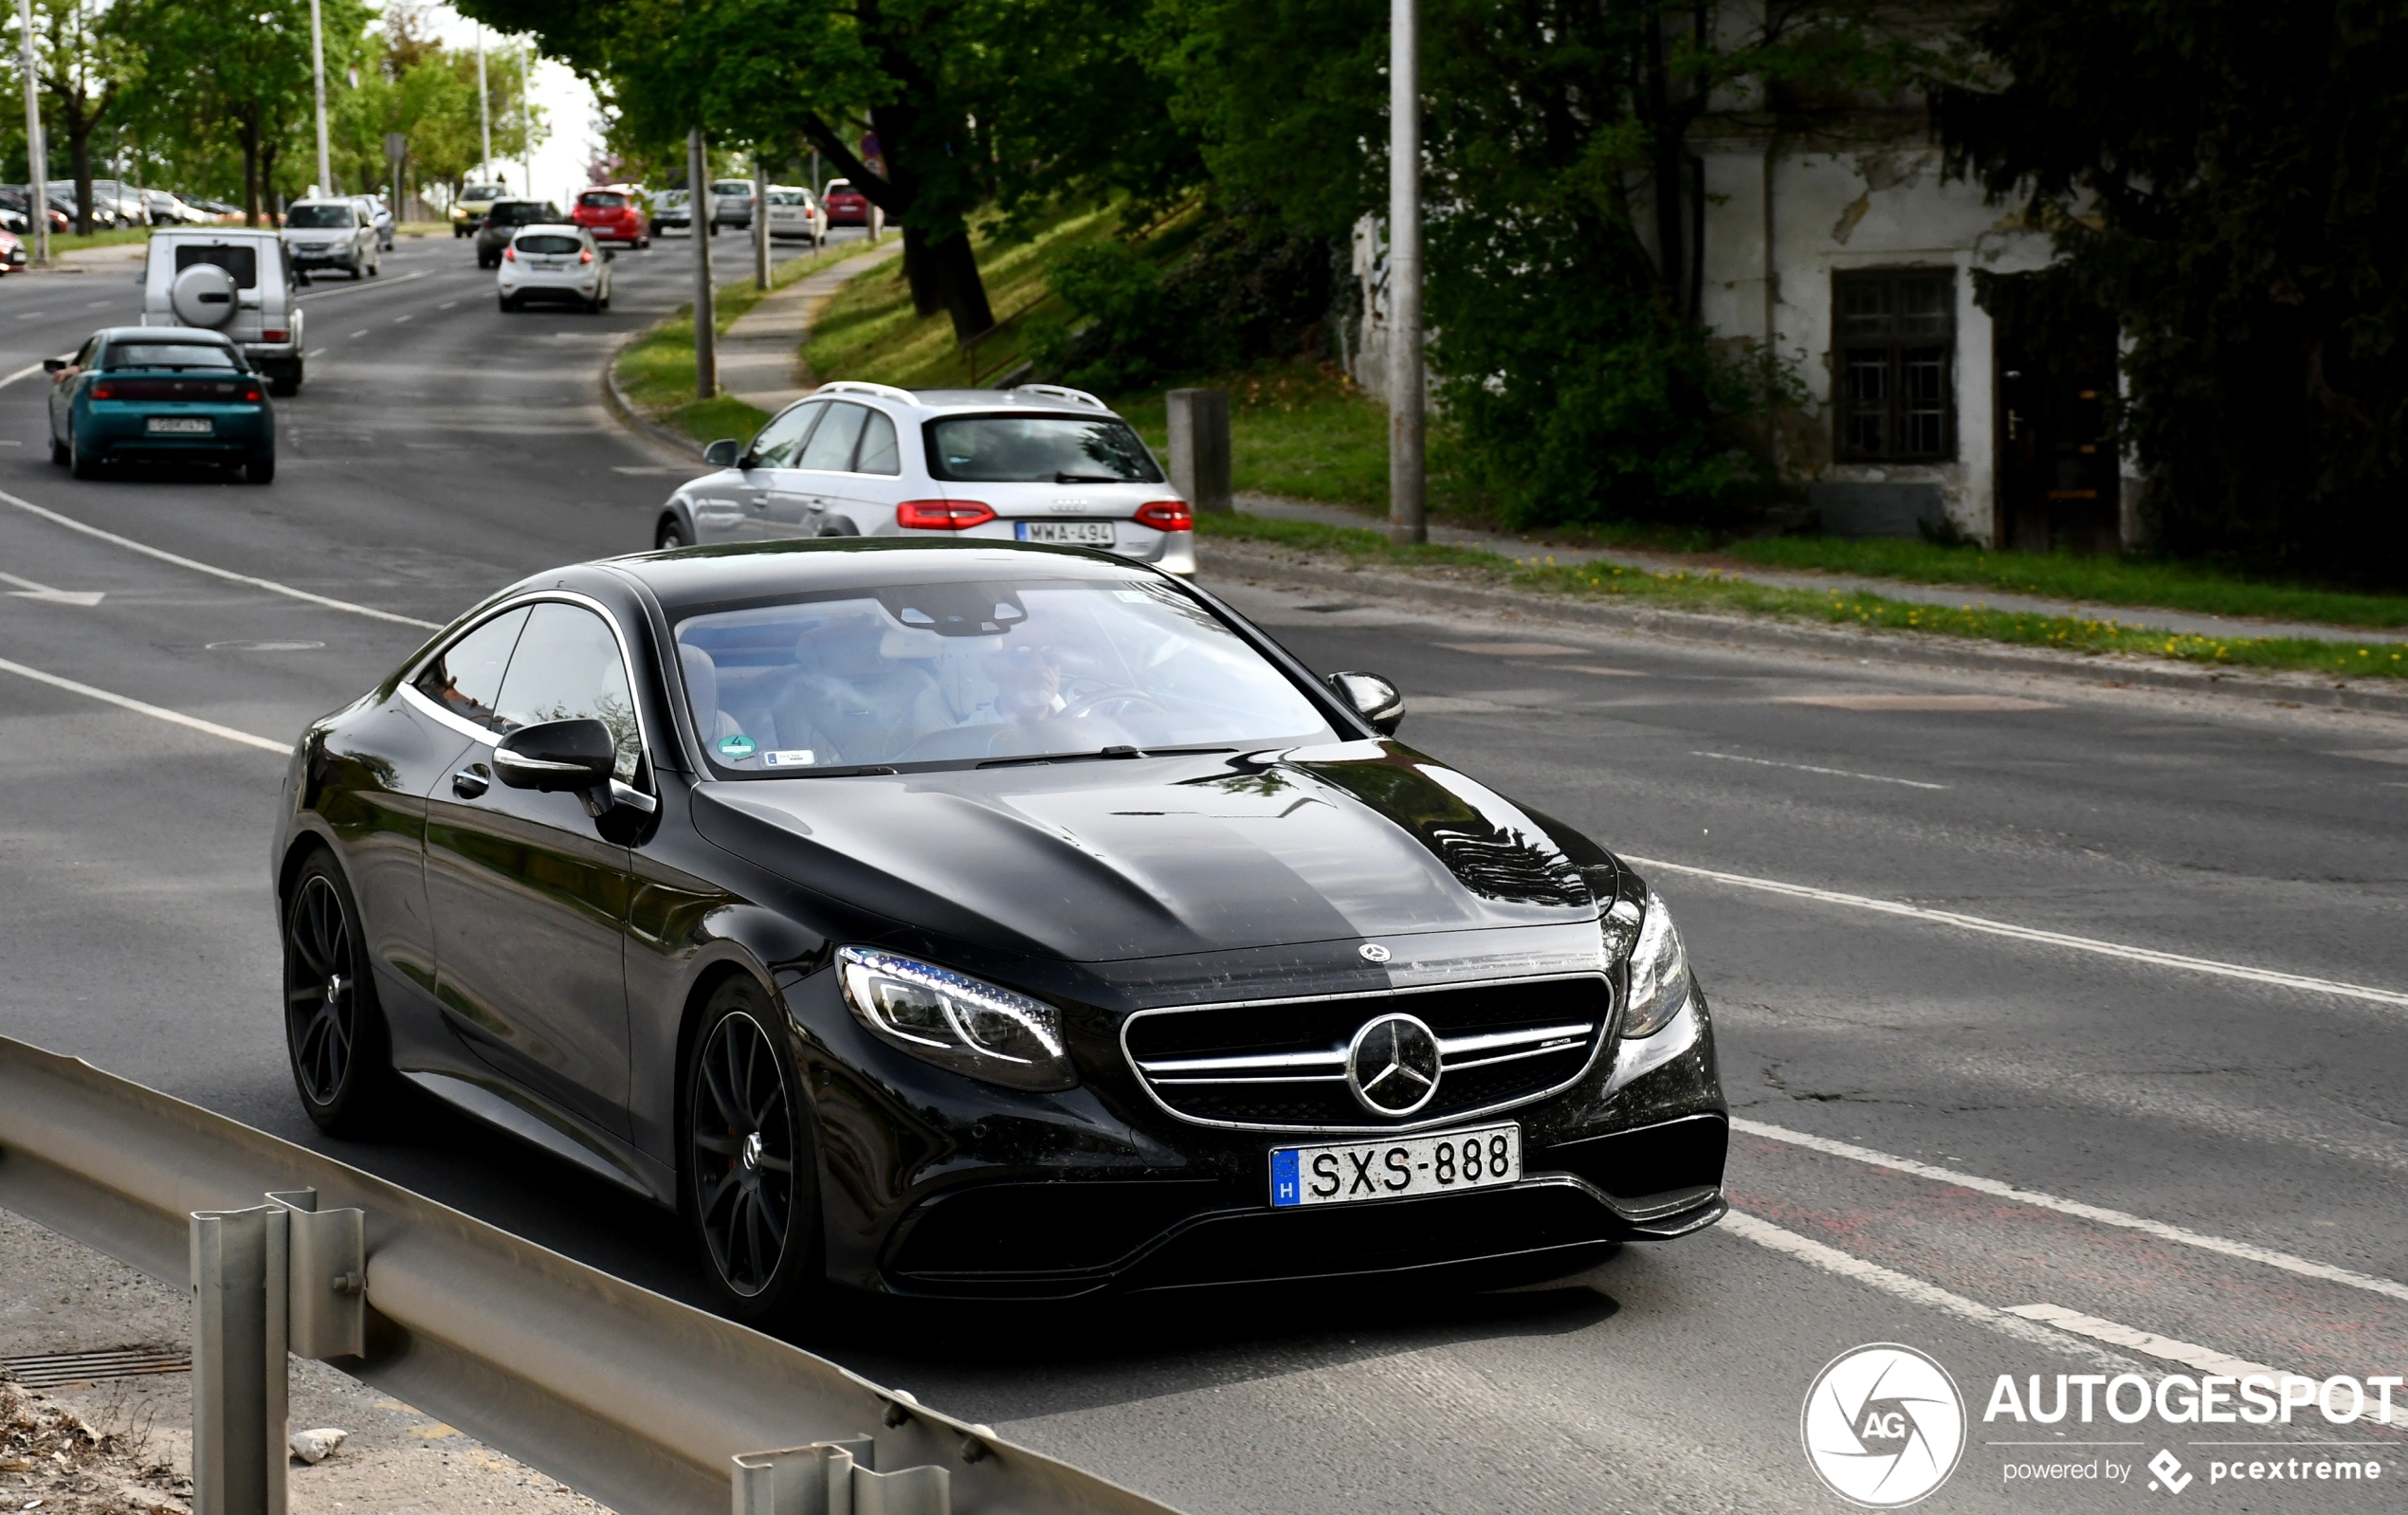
[(632, 1399)]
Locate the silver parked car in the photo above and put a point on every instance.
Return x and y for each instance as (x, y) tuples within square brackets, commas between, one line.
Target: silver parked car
[(1037, 463)]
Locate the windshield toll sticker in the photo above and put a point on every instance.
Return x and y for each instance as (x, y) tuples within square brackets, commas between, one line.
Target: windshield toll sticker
[(801, 758), (736, 749)]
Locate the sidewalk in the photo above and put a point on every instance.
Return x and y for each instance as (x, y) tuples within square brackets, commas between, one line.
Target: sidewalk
[(1523, 548), (761, 355)]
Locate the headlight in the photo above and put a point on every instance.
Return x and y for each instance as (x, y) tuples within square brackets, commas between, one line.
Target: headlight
[(956, 1021), (1659, 973)]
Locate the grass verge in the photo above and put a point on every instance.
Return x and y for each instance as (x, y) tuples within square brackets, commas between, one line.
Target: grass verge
[(1713, 591), (656, 370)]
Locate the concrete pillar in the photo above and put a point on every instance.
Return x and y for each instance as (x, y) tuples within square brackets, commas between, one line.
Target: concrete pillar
[(1199, 446)]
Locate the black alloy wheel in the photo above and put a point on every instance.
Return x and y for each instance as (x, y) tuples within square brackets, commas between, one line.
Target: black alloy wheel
[(334, 1030), (751, 1181)]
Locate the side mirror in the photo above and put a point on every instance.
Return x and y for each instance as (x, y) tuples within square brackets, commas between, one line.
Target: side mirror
[(54, 365), (1372, 697), (557, 754), (723, 453)]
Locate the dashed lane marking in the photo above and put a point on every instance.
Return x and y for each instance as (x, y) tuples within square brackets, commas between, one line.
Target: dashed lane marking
[(2305, 1267), (2053, 938), (1809, 768), (353, 289), (144, 708), (25, 372), (362, 332), (215, 572), (2205, 1359)]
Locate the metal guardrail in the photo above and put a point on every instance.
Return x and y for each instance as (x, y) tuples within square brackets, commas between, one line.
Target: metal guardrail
[(650, 1406)]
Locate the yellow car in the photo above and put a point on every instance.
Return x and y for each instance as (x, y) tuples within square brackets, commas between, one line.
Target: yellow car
[(468, 211)]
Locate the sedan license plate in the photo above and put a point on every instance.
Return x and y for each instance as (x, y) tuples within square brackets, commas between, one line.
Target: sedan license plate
[(1396, 1168), (1077, 532), (181, 426)]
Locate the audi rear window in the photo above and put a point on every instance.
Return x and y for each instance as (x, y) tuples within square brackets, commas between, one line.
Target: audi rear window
[(1038, 449), (242, 262)]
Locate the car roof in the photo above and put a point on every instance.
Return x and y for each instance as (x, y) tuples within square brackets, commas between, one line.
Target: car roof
[(1038, 399), (685, 579), (163, 334), (569, 227), (321, 199)]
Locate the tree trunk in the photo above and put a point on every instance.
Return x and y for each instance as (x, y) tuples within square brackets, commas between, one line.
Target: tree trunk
[(80, 156), (926, 299), (954, 271), (250, 172)]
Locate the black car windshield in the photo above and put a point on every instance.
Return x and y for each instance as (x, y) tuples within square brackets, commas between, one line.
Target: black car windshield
[(170, 355), (1037, 449), (320, 216), (1013, 668)]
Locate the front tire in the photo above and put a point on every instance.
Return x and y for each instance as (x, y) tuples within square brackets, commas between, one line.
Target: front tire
[(670, 535), (78, 464), (259, 469), (751, 1172), (335, 1033)]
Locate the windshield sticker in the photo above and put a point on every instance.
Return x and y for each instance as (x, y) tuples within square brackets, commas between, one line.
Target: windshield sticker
[(736, 749), (801, 758)]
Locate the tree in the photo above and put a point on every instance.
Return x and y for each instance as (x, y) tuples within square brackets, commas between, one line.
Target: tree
[(84, 60), (240, 67), (2227, 181), (1563, 199)]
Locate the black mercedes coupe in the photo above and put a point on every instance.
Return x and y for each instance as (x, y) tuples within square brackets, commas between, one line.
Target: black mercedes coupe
[(982, 920)]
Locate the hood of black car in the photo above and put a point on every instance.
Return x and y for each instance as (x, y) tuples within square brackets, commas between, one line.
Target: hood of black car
[(1100, 861)]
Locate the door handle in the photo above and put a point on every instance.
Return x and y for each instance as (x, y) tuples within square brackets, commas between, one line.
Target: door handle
[(468, 783)]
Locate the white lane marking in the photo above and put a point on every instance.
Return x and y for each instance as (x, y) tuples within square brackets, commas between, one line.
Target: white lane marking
[(2247, 1252), (448, 305), (165, 557), (2053, 938), (25, 372), (1809, 768), (139, 707), (315, 352), (32, 315), (353, 289), (362, 332), (400, 319), (2207, 1359), (1890, 1280), (96, 304), (27, 589), (1917, 701)]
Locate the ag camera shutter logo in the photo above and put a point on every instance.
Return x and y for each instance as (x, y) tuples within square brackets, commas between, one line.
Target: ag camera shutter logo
[(1884, 1425)]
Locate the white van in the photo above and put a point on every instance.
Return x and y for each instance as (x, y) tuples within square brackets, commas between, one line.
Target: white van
[(235, 280)]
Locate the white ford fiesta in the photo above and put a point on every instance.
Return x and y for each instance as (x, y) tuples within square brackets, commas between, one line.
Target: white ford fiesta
[(1037, 463), (559, 263)]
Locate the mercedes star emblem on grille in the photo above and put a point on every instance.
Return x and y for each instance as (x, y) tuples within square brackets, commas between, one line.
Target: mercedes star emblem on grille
[(1392, 1065), (1373, 952)]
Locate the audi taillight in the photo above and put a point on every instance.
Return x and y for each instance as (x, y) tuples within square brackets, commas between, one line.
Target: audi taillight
[(941, 515), (1166, 515)]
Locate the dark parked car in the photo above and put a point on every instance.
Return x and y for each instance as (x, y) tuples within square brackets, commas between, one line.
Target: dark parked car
[(161, 395), (504, 219), (988, 920)]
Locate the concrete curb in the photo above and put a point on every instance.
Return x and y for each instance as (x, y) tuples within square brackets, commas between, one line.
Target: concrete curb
[(629, 415), (1286, 567)]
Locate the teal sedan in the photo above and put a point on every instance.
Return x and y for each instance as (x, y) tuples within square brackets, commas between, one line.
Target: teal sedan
[(161, 395)]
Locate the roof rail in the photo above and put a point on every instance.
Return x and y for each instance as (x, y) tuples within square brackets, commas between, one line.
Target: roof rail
[(1059, 393), (885, 391)]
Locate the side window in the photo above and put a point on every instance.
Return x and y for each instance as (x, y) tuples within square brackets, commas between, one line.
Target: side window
[(831, 447), (568, 669), (783, 437), (465, 679), (877, 453)]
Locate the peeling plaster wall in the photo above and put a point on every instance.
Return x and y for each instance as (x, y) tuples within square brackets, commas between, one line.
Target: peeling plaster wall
[(1865, 207)]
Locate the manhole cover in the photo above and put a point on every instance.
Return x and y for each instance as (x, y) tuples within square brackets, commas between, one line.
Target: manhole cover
[(265, 647)]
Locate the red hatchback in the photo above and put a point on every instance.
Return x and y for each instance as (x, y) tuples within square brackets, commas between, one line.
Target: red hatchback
[(847, 205), (610, 212)]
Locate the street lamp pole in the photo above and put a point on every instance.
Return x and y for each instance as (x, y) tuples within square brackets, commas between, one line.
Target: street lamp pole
[(1407, 518), (317, 80), (526, 117), (37, 152)]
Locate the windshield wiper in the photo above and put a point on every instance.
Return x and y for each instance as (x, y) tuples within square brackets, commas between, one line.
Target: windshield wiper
[(1100, 755)]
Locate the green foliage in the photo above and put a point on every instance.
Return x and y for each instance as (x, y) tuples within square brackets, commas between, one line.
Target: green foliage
[(1300, 430), (2229, 180)]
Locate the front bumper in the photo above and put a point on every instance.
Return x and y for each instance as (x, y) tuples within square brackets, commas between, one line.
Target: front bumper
[(933, 1184), (327, 256)]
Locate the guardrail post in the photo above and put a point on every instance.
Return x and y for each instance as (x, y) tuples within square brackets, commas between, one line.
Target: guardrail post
[(1199, 448), (280, 1278), (238, 1362), (836, 1478)]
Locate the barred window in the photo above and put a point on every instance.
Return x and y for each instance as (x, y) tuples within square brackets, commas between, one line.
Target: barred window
[(1896, 335)]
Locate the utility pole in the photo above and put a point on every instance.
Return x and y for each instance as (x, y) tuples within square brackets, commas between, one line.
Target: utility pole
[(484, 111), (317, 81), (37, 152), (1407, 480), (697, 221), (760, 221), (1407, 518), (526, 117)]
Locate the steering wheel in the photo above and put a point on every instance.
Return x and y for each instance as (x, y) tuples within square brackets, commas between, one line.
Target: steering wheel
[(1120, 696)]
